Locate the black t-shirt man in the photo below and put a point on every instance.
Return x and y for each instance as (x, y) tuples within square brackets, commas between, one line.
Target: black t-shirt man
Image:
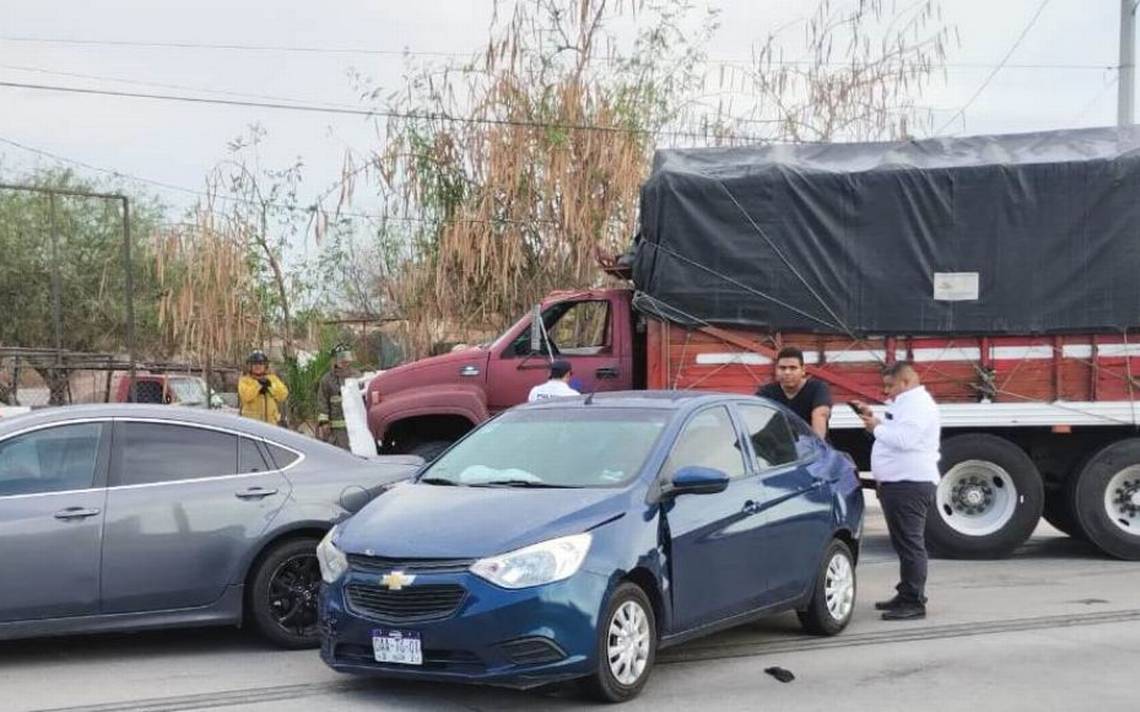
[(811, 395)]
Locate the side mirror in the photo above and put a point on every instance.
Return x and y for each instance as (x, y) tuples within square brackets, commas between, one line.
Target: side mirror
[(698, 480)]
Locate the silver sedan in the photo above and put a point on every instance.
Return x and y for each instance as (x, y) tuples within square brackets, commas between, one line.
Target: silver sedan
[(128, 517)]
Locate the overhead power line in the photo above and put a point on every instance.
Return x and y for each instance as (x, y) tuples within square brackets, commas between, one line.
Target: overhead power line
[(371, 113), (300, 49), (998, 68), (164, 85), (310, 209)]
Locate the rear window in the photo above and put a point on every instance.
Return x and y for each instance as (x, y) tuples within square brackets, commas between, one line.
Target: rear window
[(587, 447)]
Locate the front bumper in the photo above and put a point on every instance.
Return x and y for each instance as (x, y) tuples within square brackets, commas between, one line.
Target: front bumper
[(517, 638)]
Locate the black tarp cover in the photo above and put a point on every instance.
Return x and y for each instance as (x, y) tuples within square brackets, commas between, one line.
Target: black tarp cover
[(1029, 233)]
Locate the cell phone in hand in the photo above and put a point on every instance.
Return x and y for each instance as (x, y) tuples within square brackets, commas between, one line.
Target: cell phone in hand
[(854, 405)]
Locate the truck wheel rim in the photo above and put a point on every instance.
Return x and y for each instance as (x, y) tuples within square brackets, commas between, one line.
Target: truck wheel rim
[(628, 643), (1122, 500), (976, 498), (839, 587)]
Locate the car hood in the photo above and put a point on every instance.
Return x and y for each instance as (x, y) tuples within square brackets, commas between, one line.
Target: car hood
[(417, 521)]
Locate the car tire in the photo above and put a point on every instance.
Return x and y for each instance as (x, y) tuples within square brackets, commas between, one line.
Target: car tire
[(281, 584), (629, 611), (429, 450), (1105, 497), (989, 499), (833, 595)]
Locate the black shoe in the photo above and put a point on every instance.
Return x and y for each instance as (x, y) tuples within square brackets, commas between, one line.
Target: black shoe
[(890, 605), (906, 611), (894, 603)]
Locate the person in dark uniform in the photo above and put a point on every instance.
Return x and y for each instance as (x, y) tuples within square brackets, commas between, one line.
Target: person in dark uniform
[(807, 397), (331, 426)]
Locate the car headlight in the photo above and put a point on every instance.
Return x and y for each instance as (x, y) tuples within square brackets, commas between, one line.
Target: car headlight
[(332, 560), (535, 565)]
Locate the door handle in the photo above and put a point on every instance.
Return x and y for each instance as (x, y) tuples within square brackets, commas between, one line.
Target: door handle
[(607, 372), (255, 493), (76, 513)]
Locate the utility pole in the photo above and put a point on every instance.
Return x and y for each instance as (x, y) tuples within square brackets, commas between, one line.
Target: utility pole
[(1126, 85)]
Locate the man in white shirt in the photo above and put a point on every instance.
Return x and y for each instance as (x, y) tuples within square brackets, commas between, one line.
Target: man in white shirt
[(558, 386), (904, 462)]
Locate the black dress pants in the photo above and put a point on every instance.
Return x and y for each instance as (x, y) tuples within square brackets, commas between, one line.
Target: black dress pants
[(905, 507)]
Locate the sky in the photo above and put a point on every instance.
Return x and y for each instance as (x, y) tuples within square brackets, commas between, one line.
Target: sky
[(1062, 74)]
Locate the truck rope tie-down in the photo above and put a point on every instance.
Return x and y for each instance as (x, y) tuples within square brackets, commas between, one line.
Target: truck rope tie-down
[(787, 263), (741, 285)]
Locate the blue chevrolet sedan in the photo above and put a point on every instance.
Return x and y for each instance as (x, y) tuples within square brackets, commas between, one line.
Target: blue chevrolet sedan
[(576, 537)]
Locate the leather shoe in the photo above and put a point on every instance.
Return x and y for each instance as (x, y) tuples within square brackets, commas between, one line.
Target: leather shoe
[(906, 612), (894, 603), (889, 605)]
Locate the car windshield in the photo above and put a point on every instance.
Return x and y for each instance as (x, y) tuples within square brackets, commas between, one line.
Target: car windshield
[(581, 447), (188, 391)]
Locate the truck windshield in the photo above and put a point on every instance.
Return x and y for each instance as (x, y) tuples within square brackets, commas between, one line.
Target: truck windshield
[(579, 447), (188, 391)]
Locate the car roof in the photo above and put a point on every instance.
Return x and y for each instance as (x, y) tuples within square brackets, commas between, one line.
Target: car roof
[(181, 414), (641, 400)]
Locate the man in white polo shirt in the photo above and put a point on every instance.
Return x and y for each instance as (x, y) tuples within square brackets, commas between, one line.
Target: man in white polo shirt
[(904, 462), (559, 384)]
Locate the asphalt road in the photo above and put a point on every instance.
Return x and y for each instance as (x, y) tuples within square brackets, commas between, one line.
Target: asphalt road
[(1056, 627)]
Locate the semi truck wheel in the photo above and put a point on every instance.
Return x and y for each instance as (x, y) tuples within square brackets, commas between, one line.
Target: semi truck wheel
[(1106, 499), (988, 501)]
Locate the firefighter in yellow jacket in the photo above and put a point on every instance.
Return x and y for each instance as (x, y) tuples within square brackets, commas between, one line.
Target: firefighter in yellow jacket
[(261, 392)]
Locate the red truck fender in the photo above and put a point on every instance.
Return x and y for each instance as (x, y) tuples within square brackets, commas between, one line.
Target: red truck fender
[(468, 401)]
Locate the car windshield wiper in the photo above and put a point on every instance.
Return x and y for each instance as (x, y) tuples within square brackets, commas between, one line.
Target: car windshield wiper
[(521, 483), (438, 481)]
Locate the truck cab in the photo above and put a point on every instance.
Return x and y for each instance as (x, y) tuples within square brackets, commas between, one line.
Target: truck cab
[(422, 407), (163, 388)]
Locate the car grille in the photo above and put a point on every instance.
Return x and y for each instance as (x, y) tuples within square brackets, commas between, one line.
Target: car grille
[(415, 603), (532, 651), (448, 660), (381, 564)]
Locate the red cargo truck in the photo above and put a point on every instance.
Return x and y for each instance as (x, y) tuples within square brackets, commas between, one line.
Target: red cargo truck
[(1035, 375)]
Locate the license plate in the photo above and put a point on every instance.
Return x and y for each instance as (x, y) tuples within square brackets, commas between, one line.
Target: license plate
[(397, 646)]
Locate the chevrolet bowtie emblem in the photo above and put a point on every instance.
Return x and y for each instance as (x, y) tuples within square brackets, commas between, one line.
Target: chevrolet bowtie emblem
[(396, 580)]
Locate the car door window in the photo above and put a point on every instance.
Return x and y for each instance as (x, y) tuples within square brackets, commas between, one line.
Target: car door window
[(806, 441), (708, 440), (772, 441), (281, 457), (54, 459), (576, 328), (250, 458), (146, 453)]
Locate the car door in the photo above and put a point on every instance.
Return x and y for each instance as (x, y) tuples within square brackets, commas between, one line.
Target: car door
[(181, 513), (51, 520), (583, 334), (714, 538), (795, 498)]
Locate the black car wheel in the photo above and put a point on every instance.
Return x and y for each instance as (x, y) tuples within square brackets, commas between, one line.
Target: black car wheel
[(833, 598), (627, 646), (283, 596)]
